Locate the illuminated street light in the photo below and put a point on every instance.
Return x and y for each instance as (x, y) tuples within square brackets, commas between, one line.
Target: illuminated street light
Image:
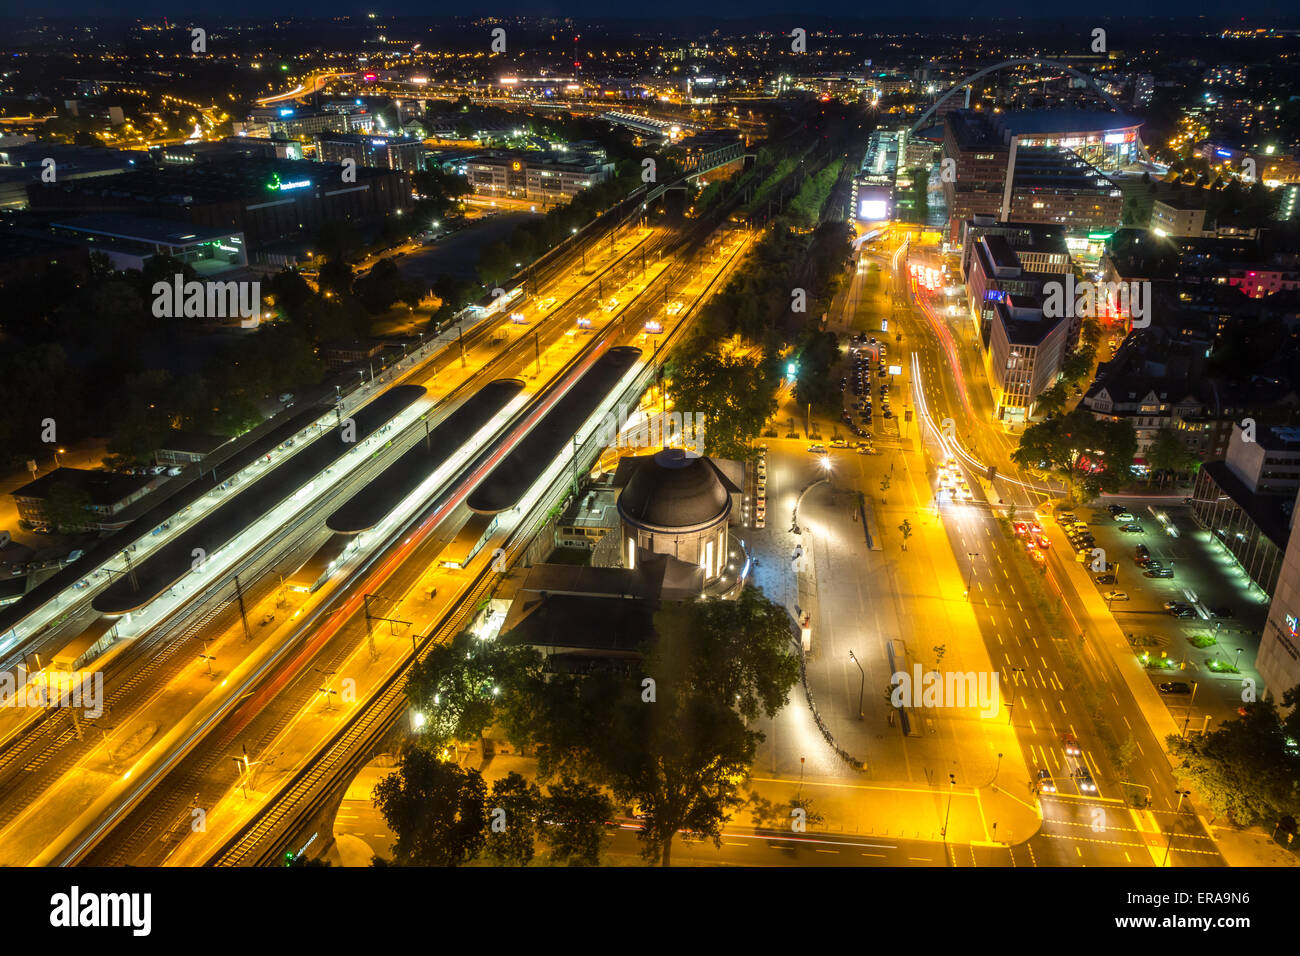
[(971, 556)]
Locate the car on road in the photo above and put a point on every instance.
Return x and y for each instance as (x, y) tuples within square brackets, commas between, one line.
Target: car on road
[(1038, 556), (1084, 777), (839, 443), (817, 449), (1175, 687), (1020, 528), (1045, 782), (1071, 745), (1115, 596), (1132, 529), (1124, 516), (1183, 613), (888, 413), (1105, 579), (1158, 573), (1223, 612)]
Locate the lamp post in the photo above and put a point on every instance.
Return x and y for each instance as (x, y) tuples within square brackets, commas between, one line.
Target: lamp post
[(1187, 719), (970, 574), (1181, 794), (952, 782), (861, 684)]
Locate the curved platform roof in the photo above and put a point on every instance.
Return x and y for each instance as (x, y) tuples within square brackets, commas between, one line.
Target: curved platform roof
[(173, 561), (551, 435), (372, 504)]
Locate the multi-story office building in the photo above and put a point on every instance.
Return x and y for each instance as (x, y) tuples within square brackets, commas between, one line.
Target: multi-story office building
[(264, 199), (1245, 500), (1183, 218), (1278, 661), (1063, 154), (546, 177), (1025, 352), (1052, 185), (381, 152), (976, 176), (994, 272)]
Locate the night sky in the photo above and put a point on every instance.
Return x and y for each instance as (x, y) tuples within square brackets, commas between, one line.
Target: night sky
[(1215, 10)]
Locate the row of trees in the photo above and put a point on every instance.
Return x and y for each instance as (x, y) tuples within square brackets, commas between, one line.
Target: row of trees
[(669, 735), (444, 815)]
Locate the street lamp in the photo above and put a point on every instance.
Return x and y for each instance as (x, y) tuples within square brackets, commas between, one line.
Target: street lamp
[(1187, 719), (862, 684), (970, 574), (952, 782), (1181, 794)]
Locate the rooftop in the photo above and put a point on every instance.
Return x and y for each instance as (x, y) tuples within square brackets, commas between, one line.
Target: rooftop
[(103, 487)]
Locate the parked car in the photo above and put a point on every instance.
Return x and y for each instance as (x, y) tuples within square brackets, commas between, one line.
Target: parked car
[(1175, 687), (1105, 579), (1115, 596), (1158, 573), (1224, 612), (1124, 516), (1132, 529)]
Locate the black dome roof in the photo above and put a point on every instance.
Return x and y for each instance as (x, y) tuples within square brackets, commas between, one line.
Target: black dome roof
[(675, 491)]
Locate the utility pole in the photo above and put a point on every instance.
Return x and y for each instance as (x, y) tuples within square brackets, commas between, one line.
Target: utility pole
[(243, 612), (460, 330)]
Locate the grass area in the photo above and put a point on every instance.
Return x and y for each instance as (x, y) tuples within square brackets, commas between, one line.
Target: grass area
[(1202, 640)]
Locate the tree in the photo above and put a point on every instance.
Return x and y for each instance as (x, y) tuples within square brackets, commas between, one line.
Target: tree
[(453, 688), (1051, 401), (734, 392), (67, 507), (1246, 769), (437, 810), (512, 820), (573, 822), (336, 277), (1087, 454), (737, 652), (906, 530)]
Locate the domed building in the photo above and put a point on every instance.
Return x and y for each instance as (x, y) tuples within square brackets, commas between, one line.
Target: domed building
[(676, 505)]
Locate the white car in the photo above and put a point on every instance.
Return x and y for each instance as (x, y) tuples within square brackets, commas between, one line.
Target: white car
[(1116, 596)]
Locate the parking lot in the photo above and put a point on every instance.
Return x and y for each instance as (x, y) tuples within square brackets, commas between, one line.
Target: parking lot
[(1187, 606)]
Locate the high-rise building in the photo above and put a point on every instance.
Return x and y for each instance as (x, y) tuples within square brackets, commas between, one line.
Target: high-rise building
[(1278, 661)]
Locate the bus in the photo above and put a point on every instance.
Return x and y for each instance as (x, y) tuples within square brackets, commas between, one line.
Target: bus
[(318, 568), (86, 646), (468, 541)]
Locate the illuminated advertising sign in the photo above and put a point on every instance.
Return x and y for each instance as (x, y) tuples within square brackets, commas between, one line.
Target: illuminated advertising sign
[(370, 77), (379, 142), (1292, 625), (1113, 138), (275, 183), (872, 209), (1223, 152), (995, 295)]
